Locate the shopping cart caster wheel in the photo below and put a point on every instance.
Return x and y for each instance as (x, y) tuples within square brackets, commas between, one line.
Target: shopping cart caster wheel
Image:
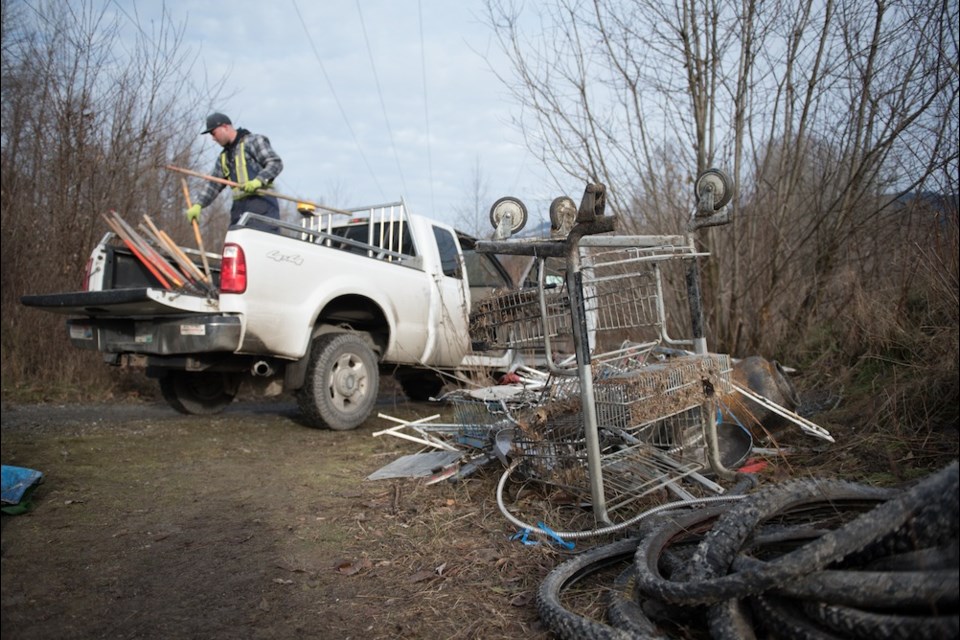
[(714, 190), (512, 207), (563, 213)]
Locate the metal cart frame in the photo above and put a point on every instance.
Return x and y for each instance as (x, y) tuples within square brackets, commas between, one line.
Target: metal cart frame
[(586, 308)]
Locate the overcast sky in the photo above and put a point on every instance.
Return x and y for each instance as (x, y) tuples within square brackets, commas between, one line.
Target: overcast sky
[(360, 107)]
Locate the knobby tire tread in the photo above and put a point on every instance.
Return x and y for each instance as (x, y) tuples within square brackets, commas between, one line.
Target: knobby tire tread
[(623, 607), (719, 547), (857, 623), (566, 624), (751, 569), (934, 588), (311, 398), (929, 558), (782, 619)]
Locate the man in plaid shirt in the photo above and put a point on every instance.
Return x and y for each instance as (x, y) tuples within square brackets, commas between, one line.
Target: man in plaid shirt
[(247, 159)]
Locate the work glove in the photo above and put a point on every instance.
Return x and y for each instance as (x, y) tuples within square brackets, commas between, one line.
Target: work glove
[(252, 185), (193, 213)]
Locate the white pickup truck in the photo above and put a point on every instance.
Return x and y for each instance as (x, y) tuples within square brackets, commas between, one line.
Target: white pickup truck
[(318, 309)]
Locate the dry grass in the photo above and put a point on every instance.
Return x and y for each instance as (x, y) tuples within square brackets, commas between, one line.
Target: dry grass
[(891, 358)]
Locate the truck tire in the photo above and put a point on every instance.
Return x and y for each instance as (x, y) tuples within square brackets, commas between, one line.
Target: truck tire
[(198, 392), (342, 382), (421, 386)]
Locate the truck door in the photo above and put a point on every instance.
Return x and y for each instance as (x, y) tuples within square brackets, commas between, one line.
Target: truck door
[(450, 307)]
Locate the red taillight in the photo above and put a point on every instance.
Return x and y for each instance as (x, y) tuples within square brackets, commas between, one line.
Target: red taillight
[(233, 270)]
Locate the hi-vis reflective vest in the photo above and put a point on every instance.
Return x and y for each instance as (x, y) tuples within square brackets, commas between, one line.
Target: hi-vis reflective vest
[(241, 176)]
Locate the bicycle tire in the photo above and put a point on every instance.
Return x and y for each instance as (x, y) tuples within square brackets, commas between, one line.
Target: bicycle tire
[(808, 559), (719, 546), (935, 522), (623, 607), (946, 555), (874, 589), (781, 618), (857, 623), (571, 626)]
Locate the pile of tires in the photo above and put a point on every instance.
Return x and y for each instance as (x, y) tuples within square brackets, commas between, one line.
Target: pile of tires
[(802, 559)]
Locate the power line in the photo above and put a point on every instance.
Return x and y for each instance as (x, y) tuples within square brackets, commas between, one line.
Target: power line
[(383, 106), (343, 113), (426, 111)]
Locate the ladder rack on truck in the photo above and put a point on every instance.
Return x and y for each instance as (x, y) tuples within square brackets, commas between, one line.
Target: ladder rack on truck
[(378, 230)]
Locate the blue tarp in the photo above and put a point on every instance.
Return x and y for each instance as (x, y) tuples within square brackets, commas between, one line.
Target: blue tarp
[(18, 482)]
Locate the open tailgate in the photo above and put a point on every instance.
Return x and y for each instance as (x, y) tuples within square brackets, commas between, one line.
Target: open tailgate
[(122, 303)]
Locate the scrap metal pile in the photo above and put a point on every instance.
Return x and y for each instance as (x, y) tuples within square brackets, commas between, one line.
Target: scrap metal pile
[(618, 407), (650, 432), (632, 410)]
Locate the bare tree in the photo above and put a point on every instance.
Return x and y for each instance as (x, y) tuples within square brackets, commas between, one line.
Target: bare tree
[(472, 216), (93, 107), (824, 111)]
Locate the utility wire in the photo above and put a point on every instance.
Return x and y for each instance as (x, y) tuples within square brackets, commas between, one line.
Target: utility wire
[(383, 106), (426, 111), (343, 113)]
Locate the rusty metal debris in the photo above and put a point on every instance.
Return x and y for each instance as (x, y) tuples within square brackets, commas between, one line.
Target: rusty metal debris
[(627, 400)]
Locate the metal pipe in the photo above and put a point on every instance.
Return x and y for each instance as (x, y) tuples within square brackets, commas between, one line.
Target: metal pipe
[(700, 348), (696, 307), (588, 408), (713, 442), (552, 366)]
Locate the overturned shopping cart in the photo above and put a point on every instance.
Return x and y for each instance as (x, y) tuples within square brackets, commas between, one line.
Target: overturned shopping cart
[(629, 408)]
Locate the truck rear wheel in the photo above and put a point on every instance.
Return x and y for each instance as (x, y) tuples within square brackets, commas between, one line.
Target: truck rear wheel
[(342, 382), (421, 385), (198, 392)]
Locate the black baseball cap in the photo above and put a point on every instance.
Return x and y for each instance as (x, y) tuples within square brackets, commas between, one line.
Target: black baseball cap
[(214, 120)]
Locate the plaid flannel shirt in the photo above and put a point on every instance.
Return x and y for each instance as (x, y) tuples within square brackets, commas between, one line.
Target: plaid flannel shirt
[(259, 153)]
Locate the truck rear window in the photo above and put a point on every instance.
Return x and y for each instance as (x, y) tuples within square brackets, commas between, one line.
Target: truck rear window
[(370, 234)]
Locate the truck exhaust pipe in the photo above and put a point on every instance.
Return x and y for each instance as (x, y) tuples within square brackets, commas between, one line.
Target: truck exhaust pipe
[(262, 368)]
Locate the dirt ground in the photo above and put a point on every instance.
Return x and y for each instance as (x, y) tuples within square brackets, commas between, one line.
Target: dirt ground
[(249, 524), (150, 524)]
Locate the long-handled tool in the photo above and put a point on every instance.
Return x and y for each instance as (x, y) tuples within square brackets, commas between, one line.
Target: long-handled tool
[(151, 267), (170, 272), (196, 232), (187, 266), (263, 192), (165, 242), (180, 279)]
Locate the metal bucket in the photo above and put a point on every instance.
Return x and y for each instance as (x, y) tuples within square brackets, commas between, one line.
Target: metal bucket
[(734, 443)]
